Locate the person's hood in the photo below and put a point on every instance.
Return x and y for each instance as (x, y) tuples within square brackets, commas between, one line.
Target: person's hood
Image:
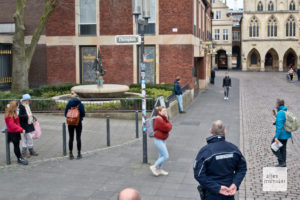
[(283, 108)]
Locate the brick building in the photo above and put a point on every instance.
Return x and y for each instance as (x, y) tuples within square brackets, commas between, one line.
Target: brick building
[(174, 41)]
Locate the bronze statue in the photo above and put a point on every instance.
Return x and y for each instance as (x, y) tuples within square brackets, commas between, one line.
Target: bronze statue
[(100, 72)]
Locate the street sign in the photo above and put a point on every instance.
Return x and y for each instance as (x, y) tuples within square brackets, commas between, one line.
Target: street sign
[(127, 39)]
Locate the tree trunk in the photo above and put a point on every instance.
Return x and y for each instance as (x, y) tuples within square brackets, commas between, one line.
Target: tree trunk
[(22, 53)]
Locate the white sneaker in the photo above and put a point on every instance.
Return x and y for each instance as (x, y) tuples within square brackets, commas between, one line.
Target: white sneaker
[(227, 98), (154, 170), (163, 172), (224, 98)]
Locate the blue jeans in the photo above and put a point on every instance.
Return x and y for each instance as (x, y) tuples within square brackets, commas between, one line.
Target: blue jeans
[(163, 153), (179, 99)]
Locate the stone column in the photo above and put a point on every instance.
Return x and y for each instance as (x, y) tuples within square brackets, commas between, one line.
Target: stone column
[(213, 61), (244, 64), (280, 66), (229, 60), (262, 66)]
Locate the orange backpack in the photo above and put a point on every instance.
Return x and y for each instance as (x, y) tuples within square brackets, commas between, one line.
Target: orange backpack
[(73, 116)]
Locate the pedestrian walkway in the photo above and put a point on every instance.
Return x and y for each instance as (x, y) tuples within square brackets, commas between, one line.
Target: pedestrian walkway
[(102, 174), (50, 144)]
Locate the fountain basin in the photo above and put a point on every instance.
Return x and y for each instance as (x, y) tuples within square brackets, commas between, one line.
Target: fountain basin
[(107, 91)]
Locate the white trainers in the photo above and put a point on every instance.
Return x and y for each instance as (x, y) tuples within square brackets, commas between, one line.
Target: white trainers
[(224, 98), (163, 172), (154, 170)]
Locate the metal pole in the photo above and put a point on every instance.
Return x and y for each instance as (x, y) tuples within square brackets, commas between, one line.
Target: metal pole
[(143, 86), (7, 148), (64, 139), (137, 124), (107, 131)]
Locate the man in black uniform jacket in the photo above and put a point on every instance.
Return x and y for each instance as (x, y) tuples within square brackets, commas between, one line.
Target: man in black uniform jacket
[(219, 166)]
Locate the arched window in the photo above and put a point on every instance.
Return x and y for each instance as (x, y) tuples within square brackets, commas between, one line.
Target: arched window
[(292, 5), (253, 59), (254, 28), (260, 6), (272, 27), (290, 27), (271, 6)]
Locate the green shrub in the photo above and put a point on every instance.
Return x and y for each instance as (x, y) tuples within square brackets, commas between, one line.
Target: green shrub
[(168, 87)]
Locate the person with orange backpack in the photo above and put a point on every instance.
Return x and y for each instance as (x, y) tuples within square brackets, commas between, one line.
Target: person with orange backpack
[(74, 112)]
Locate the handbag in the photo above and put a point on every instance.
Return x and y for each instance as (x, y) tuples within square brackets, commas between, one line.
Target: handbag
[(36, 134)]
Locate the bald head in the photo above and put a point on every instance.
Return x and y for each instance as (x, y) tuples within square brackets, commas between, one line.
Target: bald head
[(217, 128), (129, 194)]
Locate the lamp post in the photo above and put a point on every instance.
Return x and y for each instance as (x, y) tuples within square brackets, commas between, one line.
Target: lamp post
[(142, 7)]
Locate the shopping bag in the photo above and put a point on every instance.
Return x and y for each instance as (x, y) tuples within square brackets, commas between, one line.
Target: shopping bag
[(36, 134)]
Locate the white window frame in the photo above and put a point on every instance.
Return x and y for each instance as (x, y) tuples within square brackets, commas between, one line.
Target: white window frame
[(217, 34)]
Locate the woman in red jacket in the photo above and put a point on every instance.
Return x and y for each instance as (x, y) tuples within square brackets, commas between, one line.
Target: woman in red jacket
[(162, 127), (14, 130)]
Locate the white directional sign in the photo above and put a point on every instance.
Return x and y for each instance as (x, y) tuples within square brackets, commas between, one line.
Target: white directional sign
[(127, 39)]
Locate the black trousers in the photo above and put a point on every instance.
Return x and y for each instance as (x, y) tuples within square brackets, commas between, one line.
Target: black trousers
[(78, 130), (15, 139), (281, 153)]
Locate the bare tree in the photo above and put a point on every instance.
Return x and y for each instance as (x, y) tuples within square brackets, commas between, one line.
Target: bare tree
[(22, 53)]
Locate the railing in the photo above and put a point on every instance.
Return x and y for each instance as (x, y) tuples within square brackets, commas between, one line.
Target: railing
[(172, 97), (97, 105)]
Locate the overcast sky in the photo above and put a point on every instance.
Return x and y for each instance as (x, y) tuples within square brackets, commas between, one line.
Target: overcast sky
[(231, 3)]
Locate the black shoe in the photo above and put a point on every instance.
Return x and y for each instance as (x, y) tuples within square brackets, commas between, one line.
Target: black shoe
[(22, 161), (281, 165), (71, 156), (79, 156), (182, 112)]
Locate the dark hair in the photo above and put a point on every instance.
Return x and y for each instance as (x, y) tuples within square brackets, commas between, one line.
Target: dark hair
[(280, 102)]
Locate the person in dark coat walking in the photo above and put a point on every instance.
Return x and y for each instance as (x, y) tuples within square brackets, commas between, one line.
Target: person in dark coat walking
[(298, 74), (226, 85), (212, 76), (26, 121), (219, 166), (74, 102)]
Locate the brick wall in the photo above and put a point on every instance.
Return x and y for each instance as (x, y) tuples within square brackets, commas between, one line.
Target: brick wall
[(38, 67), (116, 17), (176, 14), (118, 61), (33, 13), (176, 60), (61, 65), (62, 20)]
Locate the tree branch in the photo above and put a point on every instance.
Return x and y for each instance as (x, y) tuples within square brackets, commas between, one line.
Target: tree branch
[(48, 9)]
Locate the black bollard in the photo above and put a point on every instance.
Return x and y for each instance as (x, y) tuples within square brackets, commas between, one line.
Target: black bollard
[(64, 139), (107, 131), (7, 148), (137, 124)]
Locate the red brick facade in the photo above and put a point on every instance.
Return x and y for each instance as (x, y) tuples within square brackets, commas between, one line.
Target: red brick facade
[(176, 14), (116, 17), (176, 60), (62, 20), (61, 64), (118, 61)]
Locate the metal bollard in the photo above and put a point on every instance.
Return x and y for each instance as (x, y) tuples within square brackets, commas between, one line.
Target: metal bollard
[(107, 131), (137, 124), (7, 148), (64, 139)]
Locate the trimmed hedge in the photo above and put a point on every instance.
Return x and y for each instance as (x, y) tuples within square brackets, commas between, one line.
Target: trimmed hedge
[(168, 87)]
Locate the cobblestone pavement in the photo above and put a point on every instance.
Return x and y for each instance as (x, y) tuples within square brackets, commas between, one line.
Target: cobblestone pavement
[(258, 95)]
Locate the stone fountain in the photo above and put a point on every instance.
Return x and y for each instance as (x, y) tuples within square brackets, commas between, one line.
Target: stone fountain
[(100, 90)]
